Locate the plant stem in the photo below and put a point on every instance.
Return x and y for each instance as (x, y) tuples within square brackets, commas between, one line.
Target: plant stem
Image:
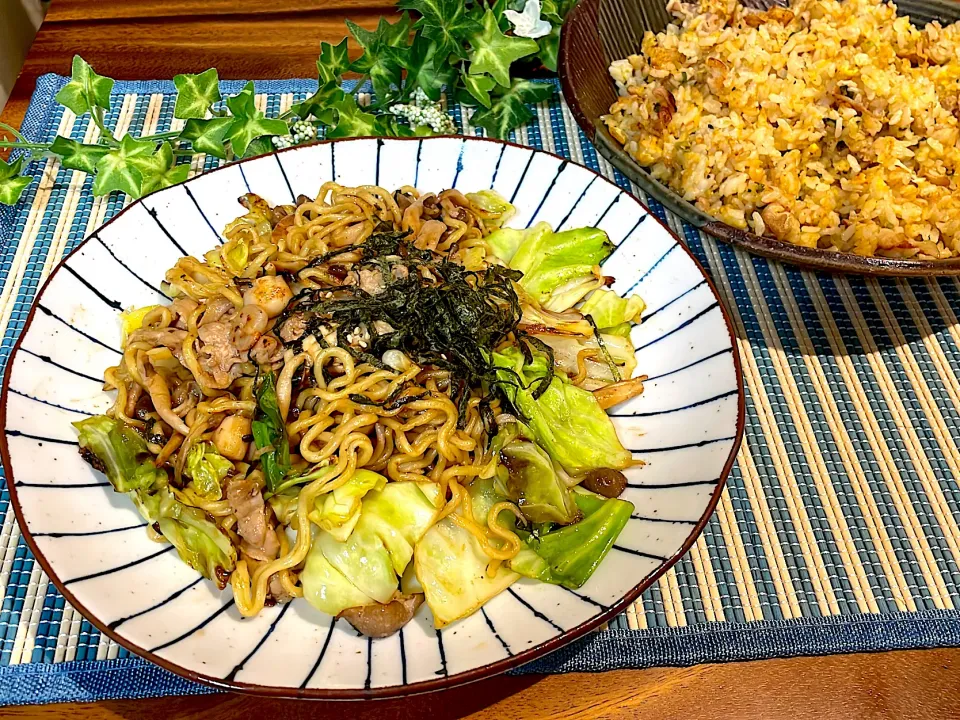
[(13, 131), (24, 145), (97, 114), (162, 136), (360, 82)]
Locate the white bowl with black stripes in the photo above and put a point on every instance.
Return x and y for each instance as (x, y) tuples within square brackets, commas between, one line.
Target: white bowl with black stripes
[(91, 541)]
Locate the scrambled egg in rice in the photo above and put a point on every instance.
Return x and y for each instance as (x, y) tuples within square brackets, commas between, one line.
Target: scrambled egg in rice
[(828, 124)]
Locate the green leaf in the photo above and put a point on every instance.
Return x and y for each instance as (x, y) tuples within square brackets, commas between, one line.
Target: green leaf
[(319, 104), (120, 169), (196, 93), (556, 10), (207, 136), (498, 6), (397, 34), (426, 69), (445, 21), (493, 52), (248, 122), (550, 48), (160, 170), (260, 146), (12, 184), (366, 39), (86, 89), (352, 121), (384, 53), (269, 430), (122, 452), (243, 104), (479, 87), (509, 109), (77, 156), (333, 62)]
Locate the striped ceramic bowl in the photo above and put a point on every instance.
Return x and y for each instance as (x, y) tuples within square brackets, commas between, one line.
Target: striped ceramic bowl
[(92, 543)]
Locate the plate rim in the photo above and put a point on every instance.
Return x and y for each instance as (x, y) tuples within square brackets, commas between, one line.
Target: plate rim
[(389, 691), (585, 14)]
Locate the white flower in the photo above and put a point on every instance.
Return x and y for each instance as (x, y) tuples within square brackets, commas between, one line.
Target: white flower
[(528, 24)]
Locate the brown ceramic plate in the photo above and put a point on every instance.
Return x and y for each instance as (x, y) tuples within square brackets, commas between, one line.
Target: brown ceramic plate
[(598, 32)]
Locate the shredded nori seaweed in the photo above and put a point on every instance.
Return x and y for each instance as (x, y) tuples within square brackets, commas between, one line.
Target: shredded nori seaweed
[(441, 315)]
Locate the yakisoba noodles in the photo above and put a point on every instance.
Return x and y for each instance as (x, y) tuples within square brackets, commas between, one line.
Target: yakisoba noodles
[(369, 399)]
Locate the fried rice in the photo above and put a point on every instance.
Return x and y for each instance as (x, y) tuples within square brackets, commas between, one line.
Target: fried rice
[(829, 124)]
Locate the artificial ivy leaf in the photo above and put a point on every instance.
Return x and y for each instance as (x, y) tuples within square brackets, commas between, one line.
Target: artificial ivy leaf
[(426, 69), (556, 10), (550, 48), (243, 104), (508, 110), (384, 66), (445, 21), (248, 122), (9, 170), (207, 136), (479, 87), (493, 52), (384, 53), (243, 131), (397, 34), (319, 103), (77, 156), (260, 146), (352, 121), (196, 93), (120, 169), (86, 89), (333, 62), (366, 39), (160, 170), (12, 183)]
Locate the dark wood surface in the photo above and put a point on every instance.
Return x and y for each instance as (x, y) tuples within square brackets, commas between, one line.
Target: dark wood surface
[(903, 686), (149, 39)]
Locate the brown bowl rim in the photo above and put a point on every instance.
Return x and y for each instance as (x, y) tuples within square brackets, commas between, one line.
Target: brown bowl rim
[(803, 257), (391, 691)]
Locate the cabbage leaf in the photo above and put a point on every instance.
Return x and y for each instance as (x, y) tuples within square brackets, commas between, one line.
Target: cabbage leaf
[(121, 451), (364, 568), (496, 209), (568, 556), (123, 455), (609, 309), (527, 477), (207, 468), (338, 512), (326, 588), (618, 345), (565, 420), (451, 566), (198, 540), (557, 267)]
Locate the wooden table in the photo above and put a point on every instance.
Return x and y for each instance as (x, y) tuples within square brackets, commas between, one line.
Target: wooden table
[(244, 39)]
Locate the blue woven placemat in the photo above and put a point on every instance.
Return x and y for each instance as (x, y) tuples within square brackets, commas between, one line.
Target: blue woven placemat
[(839, 528)]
